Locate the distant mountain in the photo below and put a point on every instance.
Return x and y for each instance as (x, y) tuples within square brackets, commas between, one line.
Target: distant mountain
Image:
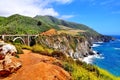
[(18, 24)]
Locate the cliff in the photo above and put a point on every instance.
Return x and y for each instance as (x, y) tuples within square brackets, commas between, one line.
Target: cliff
[(76, 47)]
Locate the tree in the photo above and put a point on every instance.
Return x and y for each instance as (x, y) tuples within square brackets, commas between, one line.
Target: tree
[(39, 23)]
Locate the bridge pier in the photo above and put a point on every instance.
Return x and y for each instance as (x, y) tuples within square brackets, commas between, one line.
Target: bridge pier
[(26, 39), (3, 37)]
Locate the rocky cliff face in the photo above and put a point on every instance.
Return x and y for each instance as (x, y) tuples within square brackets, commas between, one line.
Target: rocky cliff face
[(74, 46), (97, 38)]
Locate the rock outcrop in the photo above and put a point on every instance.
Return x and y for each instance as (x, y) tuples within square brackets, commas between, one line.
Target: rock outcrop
[(49, 32), (76, 47), (8, 63)]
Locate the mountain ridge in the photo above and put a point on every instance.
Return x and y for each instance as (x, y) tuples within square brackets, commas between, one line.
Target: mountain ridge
[(37, 24)]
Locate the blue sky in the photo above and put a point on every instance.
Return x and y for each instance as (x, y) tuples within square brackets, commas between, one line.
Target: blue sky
[(101, 15)]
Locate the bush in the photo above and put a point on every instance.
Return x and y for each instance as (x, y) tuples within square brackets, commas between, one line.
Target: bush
[(39, 49), (49, 50), (26, 47), (89, 67), (68, 67), (59, 55), (19, 49)]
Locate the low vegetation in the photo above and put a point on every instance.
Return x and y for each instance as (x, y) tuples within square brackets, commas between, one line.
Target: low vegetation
[(26, 47), (41, 50), (19, 49), (83, 71)]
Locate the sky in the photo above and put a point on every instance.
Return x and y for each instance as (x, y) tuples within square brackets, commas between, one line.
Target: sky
[(101, 15)]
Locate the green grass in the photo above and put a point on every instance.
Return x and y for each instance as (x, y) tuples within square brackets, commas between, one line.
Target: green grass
[(19, 49), (26, 47), (106, 75), (82, 71), (41, 50)]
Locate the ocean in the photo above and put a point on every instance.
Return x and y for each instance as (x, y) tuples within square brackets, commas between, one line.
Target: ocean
[(110, 56)]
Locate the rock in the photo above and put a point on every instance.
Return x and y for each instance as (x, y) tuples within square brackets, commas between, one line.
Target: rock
[(8, 63), (49, 32)]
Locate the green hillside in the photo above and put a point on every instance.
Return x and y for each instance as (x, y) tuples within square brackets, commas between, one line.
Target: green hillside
[(18, 24), (55, 22)]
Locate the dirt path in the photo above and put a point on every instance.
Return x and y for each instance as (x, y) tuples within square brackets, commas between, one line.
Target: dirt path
[(38, 67)]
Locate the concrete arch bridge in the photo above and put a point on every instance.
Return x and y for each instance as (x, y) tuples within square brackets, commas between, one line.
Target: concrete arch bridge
[(24, 39)]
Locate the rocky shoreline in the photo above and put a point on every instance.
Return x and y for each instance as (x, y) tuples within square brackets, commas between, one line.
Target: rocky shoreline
[(76, 47)]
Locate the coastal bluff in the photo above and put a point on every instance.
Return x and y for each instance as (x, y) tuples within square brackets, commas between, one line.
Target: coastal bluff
[(38, 67)]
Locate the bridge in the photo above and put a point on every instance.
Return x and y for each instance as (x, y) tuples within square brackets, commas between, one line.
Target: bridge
[(24, 39)]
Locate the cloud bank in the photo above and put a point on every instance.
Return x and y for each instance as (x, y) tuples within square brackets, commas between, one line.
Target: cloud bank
[(30, 7), (66, 16)]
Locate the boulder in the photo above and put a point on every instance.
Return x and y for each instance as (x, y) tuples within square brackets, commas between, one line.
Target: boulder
[(8, 62)]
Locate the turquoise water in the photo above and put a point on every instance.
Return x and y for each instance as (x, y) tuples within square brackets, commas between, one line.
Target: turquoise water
[(111, 53)]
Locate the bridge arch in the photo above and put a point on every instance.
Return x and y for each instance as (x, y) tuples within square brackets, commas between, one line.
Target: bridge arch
[(20, 38)]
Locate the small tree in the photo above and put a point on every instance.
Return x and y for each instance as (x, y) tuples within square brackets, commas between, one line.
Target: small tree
[(39, 23)]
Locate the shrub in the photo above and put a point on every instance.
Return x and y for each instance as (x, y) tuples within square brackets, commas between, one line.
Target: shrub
[(68, 67), (58, 55), (37, 48), (19, 49), (49, 50), (41, 50), (26, 47), (89, 67)]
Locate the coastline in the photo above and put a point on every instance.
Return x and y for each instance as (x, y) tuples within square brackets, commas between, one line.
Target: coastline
[(90, 58)]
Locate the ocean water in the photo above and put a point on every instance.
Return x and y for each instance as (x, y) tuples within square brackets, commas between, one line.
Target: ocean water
[(110, 52)]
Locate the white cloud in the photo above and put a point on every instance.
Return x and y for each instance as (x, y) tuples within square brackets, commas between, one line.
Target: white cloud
[(64, 1), (29, 7), (66, 16)]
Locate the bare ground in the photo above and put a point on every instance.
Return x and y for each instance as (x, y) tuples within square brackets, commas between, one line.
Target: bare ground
[(38, 67)]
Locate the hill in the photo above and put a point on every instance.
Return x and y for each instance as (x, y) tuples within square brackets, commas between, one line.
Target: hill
[(64, 25), (18, 24)]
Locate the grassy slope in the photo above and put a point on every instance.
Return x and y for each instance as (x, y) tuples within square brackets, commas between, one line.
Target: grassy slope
[(18, 24), (56, 22)]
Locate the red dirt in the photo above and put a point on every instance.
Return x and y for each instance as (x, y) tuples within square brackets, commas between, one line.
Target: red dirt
[(38, 67), (50, 32)]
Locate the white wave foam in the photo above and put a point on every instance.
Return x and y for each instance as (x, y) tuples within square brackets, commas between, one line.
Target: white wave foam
[(95, 45), (95, 52), (90, 58), (117, 48), (100, 42)]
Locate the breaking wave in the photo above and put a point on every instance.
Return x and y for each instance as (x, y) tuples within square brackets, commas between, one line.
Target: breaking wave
[(95, 45)]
